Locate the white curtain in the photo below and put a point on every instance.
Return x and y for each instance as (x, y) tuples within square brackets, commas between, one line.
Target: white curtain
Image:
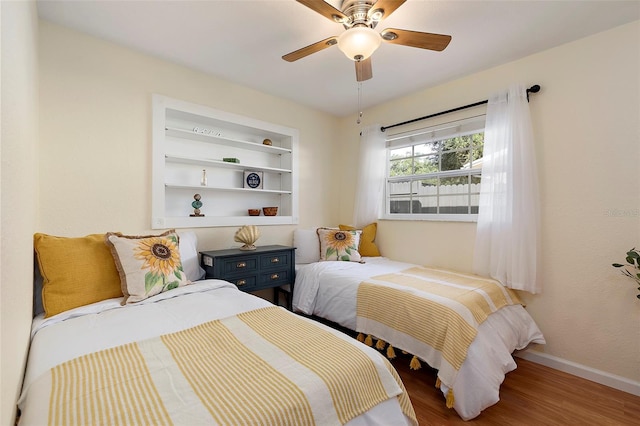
[(507, 235), (371, 175)]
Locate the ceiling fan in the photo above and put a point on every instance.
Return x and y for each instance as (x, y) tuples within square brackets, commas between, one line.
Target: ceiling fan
[(359, 41)]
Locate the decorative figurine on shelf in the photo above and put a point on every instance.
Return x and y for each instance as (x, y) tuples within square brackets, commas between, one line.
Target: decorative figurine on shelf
[(248, 235), (267, 142), (203, 180), (196, 206)]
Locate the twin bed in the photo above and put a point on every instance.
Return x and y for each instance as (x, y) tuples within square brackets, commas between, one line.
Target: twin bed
[(207, 353), (202, 353), (465, 326)]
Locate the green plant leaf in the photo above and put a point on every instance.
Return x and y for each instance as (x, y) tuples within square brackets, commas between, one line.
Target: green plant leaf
[(345, 258), (633, 254), (330, 251), (150, 281), (617, 265), (172, 285), (178, 273)]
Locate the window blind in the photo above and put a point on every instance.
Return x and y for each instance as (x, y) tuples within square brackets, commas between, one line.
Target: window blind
[(439, 132)]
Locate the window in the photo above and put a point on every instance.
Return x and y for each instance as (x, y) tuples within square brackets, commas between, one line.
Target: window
[(435, 173)]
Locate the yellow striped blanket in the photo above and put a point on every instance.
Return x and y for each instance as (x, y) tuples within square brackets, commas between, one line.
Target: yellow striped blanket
[(265, 366), (431, 313)]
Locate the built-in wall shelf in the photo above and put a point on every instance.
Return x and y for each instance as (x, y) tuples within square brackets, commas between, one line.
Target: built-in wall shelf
[(189, 144)]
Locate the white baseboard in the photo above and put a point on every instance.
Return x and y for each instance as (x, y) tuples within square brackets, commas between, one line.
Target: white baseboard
[(598, 376)]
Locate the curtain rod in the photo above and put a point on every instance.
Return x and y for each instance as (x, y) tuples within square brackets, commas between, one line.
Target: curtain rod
[(533, 89)]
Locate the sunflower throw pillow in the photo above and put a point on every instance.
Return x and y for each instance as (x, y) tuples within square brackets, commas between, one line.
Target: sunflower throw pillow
[(336, 244), (147, 265)]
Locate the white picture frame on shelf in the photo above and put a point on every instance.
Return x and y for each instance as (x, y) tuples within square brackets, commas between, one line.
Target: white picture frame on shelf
[(253, 179)]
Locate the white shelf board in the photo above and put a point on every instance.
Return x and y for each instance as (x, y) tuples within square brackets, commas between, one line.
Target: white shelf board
[(217, 188), (209, 221), (188, 134), (219, 163)]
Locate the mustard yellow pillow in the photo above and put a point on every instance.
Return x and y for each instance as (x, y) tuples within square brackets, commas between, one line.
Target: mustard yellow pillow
[(148, 265), (75, 271), (367, 245)]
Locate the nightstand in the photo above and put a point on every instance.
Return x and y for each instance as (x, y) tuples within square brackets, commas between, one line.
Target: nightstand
[(253, 270)]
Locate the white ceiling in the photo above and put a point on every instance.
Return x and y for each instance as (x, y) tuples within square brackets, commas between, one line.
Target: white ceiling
[(243, 40)]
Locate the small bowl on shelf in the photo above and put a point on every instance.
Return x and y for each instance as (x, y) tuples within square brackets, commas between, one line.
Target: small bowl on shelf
[(254, 212), (270, 211)]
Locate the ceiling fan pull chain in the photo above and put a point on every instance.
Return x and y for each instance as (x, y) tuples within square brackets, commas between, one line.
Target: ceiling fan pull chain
[(359, 102)]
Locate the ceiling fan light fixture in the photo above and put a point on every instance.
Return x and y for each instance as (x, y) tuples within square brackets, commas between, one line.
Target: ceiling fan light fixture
[(359, 43)]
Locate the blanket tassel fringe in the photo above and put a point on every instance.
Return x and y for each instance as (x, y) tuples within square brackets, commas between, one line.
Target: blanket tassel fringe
[(391, 354), (380, 344), (450, 400), (360, 337), (415, 363), (369, 340)]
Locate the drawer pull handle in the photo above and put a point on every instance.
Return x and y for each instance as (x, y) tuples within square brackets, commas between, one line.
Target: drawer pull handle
[(241, 265), (241, 282), (275, 260), (274, 276)]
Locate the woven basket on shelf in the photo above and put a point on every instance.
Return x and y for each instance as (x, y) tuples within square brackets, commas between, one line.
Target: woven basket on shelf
[(270, 211)]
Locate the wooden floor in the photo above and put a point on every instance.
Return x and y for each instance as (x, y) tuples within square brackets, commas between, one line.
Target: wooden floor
[(530, 395)]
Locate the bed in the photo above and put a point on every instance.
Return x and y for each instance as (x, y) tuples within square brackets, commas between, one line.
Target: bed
[(202, 352), (469, 378)]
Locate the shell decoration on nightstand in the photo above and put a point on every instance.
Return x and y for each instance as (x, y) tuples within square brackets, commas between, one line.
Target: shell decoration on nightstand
[(247, 235)]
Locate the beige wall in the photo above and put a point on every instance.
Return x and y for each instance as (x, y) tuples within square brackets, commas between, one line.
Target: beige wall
[(18, 186), (587, 124)]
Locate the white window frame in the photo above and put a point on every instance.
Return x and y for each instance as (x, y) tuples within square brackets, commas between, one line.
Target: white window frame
[(421, 136)]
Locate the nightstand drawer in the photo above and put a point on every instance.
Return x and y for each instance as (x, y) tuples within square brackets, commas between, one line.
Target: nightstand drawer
[(276, 277), (275, 260), (239, 265), (244, 283)]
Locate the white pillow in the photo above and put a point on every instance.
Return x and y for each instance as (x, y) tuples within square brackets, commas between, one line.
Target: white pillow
[(307, 245), (189, 256)]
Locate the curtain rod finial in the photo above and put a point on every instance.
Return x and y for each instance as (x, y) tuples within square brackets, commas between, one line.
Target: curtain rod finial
[(533, 89)]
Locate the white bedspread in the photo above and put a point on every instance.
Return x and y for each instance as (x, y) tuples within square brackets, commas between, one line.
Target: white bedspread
[(329, 289), (107, 324)]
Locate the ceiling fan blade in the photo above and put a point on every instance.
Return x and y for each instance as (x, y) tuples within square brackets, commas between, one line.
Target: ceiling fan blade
[(416, 39), (363, 69), (386, 6), (325, 9), (312, 48)]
